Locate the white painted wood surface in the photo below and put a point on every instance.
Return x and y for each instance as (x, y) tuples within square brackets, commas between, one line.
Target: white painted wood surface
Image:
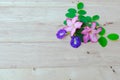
[(82, 73), (27, 40), (27, 35)]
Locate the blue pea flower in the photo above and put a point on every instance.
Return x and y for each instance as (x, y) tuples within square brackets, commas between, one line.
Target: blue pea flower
[(75, 42), (61, 34)]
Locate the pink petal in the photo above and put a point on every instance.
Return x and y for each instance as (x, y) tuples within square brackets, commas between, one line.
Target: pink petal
[(74, 19), (86, 38), (67, 28), (69, 23), (78, 25), (93, 38), (93, 25), (86, 30), (98, 30), (73, 31)]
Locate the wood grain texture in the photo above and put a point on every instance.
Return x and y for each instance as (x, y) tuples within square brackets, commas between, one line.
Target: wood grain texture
[(25, 22), (23, 55), (28, 28), (84, 73)]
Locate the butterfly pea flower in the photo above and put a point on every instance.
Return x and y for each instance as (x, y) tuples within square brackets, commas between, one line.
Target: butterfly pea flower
[(61, 34), (90, 33), (75, 41), (73, 25)]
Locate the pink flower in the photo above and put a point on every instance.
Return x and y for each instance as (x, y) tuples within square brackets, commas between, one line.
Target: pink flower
[(72, 25), (90, 33)]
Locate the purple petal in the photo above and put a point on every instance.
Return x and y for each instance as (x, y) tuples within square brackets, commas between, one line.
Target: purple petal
[(75, 42), (61, 34)]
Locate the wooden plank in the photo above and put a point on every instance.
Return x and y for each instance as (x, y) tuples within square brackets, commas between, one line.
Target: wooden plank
[(110, 73), (84, 73), (40, 24), (58, 1), (28, 55), (55, 4), (53, 74)]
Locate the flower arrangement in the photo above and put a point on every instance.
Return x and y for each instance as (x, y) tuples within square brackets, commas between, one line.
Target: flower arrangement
[(84, 29)]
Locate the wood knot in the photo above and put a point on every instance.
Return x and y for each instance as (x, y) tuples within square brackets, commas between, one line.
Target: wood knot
[(113, 70), (88, 52)]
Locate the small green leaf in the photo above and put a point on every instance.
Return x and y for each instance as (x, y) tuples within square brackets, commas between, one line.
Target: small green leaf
[(82, 12), (113, 36), (103, 41), (82, 19), (65, 22), (102, 32), (72, 10), (89, 24), (96, 17), (70, 15), (88, 18), (97, 24), (80, 5)]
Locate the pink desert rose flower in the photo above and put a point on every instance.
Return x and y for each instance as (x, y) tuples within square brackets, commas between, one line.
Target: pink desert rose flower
[(90, 33), (72, 25)]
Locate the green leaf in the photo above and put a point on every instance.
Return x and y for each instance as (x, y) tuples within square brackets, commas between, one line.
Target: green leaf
[(72, 10), (89, 24), (70, 15), (103, 41), (102, 32), (82, 12), (65, 22), (88, 18), (78, 33), (80, 5), (82, 19), (96, 17), (97, 24), (113, 36)]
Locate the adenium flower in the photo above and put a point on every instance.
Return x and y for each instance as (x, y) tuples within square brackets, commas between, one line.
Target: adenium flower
[(72, 25), (75, 41), (90, 33)]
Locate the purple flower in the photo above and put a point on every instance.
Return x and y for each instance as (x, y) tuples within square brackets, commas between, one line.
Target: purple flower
[(75, 42), (61, 34)]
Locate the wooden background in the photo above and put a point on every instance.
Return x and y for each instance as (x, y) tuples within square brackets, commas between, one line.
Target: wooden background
[(29, 46)]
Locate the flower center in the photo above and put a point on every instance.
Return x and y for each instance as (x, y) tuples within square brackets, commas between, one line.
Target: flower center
[(90, 32), (75, 42), (61, 33), (73, 26)]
